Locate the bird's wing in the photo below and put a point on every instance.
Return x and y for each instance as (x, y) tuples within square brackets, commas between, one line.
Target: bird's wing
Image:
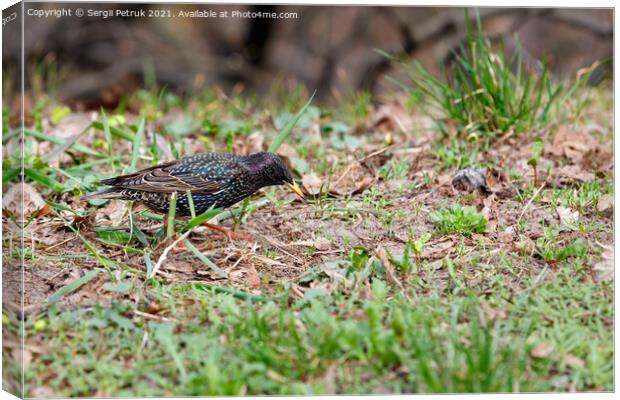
[(167, 178)]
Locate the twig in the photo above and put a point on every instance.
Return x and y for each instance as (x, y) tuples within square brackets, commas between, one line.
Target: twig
[(163, 256), (153, 316), (60, 243), (376, 153), (279, 247), (530, 202)]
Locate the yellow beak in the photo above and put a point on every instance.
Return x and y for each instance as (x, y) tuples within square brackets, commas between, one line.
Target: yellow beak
[(295, 189)]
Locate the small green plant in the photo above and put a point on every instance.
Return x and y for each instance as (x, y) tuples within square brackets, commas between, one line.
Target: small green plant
[(457, 219), (358, 257), (548, 249), (537, 149), (394, 170), (481, 96), (404, 264)]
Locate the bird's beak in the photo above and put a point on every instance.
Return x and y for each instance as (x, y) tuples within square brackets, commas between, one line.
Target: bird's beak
[(295, 189)]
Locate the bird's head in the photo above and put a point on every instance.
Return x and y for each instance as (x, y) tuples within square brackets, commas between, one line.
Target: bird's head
[(269, 169)]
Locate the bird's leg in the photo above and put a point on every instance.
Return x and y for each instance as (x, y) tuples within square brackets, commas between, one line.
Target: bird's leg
[(230, 234)]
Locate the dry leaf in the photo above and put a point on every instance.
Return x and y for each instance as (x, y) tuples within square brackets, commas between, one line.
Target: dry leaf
[(352, 179), (571, 173), (395, 117), (249, 144), (444, 179), (111, 214), (572, 144), (42, 392), (604, 269), (490, 208), (22, 357), (542, 350), (312, 182), (437, 249), (288, 151), (330, 377), (273, 375), (600, 159), (22, 200), (72, 124), (255, 142), (491, 313), (68, 128), (605, 202), (322, 244), (507, 235), (567, 216), (251, 277), (574, 361)]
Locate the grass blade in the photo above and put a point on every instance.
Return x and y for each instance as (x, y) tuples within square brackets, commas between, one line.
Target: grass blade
[(137, 143), (164, 335), (149, 263), (190, 199), (76, 284), (288, 128), (58, 141), (171, 214), (108, 135), (205, 216), (205, 259), (114, 131), (45, 180), (10, 174)]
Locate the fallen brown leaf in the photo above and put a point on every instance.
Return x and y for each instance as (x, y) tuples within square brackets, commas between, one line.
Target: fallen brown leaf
[(288, 151), (571, 143), (352, 179), (566, 215), (251, 277), (320, 243), (22, 356), (574, 361), (22, 200), (69, 128), (249, 144), (605, 203), (571, 173), (600, 159), (604, 269), (312, 182), (111, 214), (542, 350), (491, 313), (437, 249)]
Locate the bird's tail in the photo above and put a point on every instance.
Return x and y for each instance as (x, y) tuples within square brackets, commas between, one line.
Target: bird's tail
[(107, 193)]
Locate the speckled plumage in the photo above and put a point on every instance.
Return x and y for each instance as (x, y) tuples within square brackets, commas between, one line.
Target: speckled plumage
[(213, 179)]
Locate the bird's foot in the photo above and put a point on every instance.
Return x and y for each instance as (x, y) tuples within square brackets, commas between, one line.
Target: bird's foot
[(230, 234)]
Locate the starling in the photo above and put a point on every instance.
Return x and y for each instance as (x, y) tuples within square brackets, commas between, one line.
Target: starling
[(213, 179)]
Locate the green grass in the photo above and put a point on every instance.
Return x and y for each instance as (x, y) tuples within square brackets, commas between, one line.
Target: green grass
[(383, 340), (457, 219), (487, 93)]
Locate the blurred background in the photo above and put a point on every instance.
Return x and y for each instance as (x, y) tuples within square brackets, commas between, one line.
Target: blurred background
[(91, 61)]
